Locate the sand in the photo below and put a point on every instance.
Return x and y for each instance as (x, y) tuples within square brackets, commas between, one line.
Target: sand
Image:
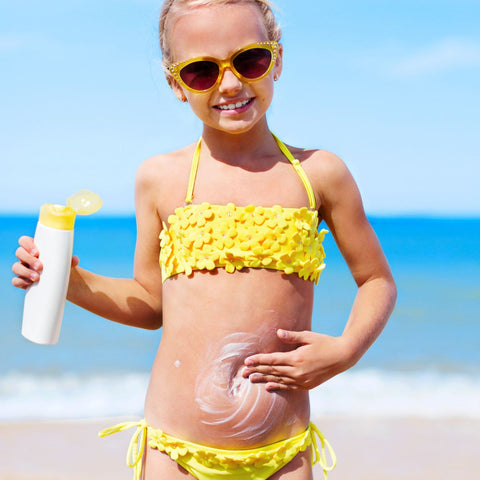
[(367, 449)]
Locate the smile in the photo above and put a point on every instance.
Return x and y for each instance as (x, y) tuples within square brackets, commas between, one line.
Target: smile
[(233, 106)]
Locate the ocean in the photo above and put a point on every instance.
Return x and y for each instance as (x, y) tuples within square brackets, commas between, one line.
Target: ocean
[(426, 364)]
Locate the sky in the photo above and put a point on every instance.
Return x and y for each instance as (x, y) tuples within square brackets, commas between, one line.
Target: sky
[(392, 87)]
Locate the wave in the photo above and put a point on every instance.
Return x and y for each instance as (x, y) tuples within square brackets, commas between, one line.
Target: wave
[(396, 394), (358, 393), (71, 396)]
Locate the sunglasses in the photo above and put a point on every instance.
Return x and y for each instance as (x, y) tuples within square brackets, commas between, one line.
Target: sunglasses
[(202, 74)]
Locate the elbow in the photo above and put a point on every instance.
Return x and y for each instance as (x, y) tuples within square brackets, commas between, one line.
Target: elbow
[(390, 296), (388, 288), (155, 323), (385, 290), (394, 294), (152, 318), (143, 314), (392, 290), (155, 316)]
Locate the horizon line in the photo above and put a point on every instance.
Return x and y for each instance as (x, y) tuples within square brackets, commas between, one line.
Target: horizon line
[(372, 214)]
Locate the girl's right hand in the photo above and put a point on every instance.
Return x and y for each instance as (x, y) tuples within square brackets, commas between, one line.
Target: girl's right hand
[(28, 268)]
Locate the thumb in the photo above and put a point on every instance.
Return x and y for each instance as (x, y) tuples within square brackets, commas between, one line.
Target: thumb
[(292, 337), (75, 261)]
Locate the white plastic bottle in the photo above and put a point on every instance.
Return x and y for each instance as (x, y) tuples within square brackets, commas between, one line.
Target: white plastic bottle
[(45, 299)]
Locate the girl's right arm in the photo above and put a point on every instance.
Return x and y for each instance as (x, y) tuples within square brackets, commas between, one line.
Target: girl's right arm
[(136, 301)]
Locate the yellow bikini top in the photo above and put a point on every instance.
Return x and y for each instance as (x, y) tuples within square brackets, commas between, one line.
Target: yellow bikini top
[(205, 236)]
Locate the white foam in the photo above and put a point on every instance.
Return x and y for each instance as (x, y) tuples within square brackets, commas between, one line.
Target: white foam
[(376, 393), (358, 393), (26, 396)]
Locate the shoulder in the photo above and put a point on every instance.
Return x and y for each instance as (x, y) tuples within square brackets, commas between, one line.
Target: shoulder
[(324, 168), (162, 180), (319, 159), (330, 177), (165, 172), (164, 165)]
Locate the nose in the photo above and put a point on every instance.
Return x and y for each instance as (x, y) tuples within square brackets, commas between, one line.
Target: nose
[(229, 83)]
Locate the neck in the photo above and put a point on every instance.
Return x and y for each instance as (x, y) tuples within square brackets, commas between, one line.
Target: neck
[(240, 148)]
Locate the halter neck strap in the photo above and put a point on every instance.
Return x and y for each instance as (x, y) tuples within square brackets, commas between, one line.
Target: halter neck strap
[(300, 171), (193, 172), (295, 163)]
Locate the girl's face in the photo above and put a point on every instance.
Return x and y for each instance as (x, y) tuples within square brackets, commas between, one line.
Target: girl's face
[(234, 105)]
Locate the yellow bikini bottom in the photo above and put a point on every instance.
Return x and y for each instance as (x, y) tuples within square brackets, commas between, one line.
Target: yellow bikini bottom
[(207, 463)]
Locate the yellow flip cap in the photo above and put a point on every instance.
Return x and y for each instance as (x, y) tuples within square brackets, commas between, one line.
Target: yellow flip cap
[(57, 216)]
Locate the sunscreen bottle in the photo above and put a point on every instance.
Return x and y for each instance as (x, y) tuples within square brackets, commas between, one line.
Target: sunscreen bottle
[(45, 299)]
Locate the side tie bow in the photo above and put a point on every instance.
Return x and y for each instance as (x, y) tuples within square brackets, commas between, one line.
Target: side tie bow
[(136, 449)]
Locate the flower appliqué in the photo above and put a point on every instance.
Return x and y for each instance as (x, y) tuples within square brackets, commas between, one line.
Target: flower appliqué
[(204, 237)]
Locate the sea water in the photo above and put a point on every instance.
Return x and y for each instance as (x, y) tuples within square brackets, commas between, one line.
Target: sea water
[(425, 364)]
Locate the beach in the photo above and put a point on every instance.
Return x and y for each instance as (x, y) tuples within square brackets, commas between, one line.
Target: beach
[(410, 409), (367, 449)]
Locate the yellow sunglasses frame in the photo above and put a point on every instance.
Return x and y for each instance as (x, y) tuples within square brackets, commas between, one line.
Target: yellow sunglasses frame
[(272, 47)]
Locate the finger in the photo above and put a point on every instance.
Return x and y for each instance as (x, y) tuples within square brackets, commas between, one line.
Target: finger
[(275, 387), (21, 282), (28, 259), (293, 337), (280, 371), (259, 378), (25, 276), (28, 244), (278, 358), (25, 273), (75, 261)]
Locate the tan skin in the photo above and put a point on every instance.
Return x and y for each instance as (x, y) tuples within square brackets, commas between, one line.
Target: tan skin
[(265, 312)]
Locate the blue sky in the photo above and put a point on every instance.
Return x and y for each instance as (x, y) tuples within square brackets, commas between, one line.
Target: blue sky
[(393, 87)]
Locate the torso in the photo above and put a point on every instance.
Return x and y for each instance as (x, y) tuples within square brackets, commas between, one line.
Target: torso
[(197, 391), (213, 320)]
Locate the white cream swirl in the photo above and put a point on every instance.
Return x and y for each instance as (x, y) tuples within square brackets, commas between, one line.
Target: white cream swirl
[(229, 401)]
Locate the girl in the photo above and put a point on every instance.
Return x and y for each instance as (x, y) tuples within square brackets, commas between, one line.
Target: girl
[(231, 277)]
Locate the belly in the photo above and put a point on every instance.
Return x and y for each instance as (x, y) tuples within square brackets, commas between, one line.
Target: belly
[(230, 403), (197, 390), (202, 396)]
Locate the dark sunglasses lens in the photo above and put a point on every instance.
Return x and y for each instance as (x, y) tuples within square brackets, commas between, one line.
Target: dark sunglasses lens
[(200, 75), (253, 63)]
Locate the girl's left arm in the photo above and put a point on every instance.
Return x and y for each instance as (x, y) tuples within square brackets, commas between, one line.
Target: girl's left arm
[(319, 357)]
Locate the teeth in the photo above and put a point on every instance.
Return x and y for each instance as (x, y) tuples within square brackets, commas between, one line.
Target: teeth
[(233, 106)]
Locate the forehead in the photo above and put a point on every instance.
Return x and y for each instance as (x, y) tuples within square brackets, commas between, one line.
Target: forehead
[(216, 30)]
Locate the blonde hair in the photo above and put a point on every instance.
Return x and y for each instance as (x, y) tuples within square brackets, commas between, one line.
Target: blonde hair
[(172, 9)]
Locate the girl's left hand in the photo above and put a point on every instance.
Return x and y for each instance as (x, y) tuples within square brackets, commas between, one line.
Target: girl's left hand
[(316, 359)]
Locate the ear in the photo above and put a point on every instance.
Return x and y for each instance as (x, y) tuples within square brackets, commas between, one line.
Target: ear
[(277, 68), (177, 89)]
